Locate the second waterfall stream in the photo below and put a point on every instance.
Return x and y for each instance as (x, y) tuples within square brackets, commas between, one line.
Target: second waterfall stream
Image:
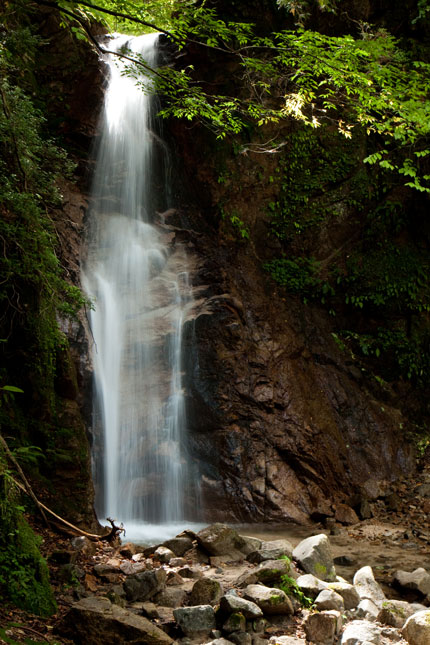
[(140, 289)]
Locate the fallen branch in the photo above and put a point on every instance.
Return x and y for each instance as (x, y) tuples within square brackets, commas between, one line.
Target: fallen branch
[(109, 537)]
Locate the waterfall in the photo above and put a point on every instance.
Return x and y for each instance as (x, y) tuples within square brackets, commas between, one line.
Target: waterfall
[(140, 286)]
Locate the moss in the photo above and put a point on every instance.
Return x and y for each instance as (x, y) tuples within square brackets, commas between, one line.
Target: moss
[(320, 569), (24, 576)]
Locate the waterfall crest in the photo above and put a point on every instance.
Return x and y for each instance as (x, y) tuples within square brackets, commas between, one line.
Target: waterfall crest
[(140, 286)]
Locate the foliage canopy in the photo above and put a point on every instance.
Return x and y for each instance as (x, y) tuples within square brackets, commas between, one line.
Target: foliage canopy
[(365, 80)]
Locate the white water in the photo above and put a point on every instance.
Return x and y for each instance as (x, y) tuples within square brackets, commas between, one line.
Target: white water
[(141, 293)]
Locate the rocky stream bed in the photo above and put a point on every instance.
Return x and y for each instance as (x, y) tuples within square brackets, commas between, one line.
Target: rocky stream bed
[(223, 586)]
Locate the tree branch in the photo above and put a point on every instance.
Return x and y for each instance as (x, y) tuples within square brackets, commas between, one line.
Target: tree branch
[(99, 48)]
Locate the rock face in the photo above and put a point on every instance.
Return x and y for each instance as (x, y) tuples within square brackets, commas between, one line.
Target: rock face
[(95, 621), (281, 422)]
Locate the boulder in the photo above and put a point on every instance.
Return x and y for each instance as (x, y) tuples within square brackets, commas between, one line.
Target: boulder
[(418, 581), (206, 591), (220, 641), (367, 609), (396, 612), (345, 514), (241, 638), (322, 627), (177, 562), (236, 622), (348, 592), (195, 621), (163, 554), (360, 632), (314, 556), (171, 597), (96, 621), (310, 585), (269, 571), (417, 628), (250, 544), (230, 604), (144, 585), (220, 539), (179, 545), (271, 551), (329, 599), (367, 587), (271, 601)]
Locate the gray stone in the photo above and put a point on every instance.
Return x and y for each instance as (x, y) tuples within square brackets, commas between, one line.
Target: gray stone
[(231, 604), (322, 627), (171, 597), (96, 621), (236, 622), (367, 609), (179, 545), (149, 609), (241, 638), (367, 587), (359, 632), (348, 592), (195, 620), (315, 557), (310, 585), (329, 599), (417, 628), (144, 585), (271, 601), (250, 544), (206, 591), (271, 551), (269, 571), (163, 554), (220, 641), (418, 580), (220, 539), (396, 612)]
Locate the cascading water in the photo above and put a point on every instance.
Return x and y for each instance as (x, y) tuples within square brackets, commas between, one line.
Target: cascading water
[(141, 292)]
